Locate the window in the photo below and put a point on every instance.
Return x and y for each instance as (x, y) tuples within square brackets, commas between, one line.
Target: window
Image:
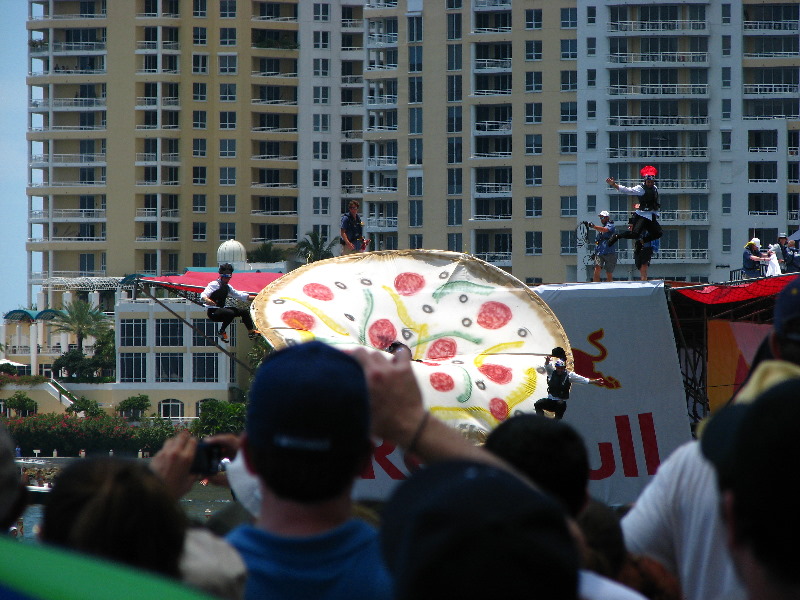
[(454, 4), (454, 184), (533, 112), (415, 120), (454, 150), (533, 243), (591, 109), (200, 64), (533, 50), (454, 214), (205, 367), (320, 150), (591, 46), (533, 143), (321, 94), (198, 259), (415, 186), (726, 204), (199, 147), (321, 205), (322, 40), (133, 332), (533, 174), (453, 26), (726, 45), (227, 9), (227, 64), (320, 177), (227, 175), (591, 140), (199, 119), (415, 89), (198, 203), (726, 14), (454, 119), (726, 240), (321, 67), (569, 49), (227, 231), (726, 77), (227, 36), (569, 242), (726, 108), (169, 332), (199, 175), (568, 143), (454, 88), (415, 151), (569, 81), (198, 231), (569, 18), (199, 93), (415, 29), (199, 36), (533, 206), (415, 213), (322, 12), (591, 15), (533, 18), (227, 119), (454, 242), (321, 122), (414, 59), (169, 368), (569, 206), (454, 57), (569, 112), (591, 204), (133, 367), (726, 139), (227, 92), (199, 8), (533, 81), (591, 78)]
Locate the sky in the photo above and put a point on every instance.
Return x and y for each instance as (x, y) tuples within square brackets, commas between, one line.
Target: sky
[(14, 153)]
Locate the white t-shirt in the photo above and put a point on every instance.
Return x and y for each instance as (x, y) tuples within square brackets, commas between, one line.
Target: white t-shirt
[(676, 521), (592, 586)]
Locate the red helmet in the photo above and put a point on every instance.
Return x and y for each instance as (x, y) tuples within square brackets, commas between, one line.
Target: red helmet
[(648, 172)]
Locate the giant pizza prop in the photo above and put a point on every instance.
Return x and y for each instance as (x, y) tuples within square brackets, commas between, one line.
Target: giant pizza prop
[(477, 334)]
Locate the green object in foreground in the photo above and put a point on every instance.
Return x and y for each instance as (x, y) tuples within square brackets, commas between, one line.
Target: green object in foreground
[(52, 574)]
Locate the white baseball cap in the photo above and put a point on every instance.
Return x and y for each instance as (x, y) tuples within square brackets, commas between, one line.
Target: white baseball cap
[(603, 213)]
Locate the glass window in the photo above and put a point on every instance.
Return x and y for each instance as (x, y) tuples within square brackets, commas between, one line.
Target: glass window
[(321, 67), (199, 259), (322, 12), (591, 109), (199, 93), (171, 408), (227, 36), (455, 242), (133, 367), (415, 29), (199, 175), (415, 241), (726, 204), (454, 57), (199, 231), (199, 8), (415, 120), (415, 151), (414, 59), (227, 64), (415, 187), (414, 89), (726, 77), (454, 119), (533, 18), (454, 26), (199, 64), (454, 214), (569, 242), (533, 50), (568, 143), (227, 9), (321, 205), (199, 147), (533, 112), (454, 93), (321, 177), (205, 367), (169, 332), (591, 78), (569, 81), (533, 81), (726, 136), (415, 213), (569, 206), (569, 18), (454, 150), (227, 119), (533, 243), (321, 94), (569, 49), (726, 14), (726, 45), (133, 332), (454, 181), (533, 174), (726, 108), (321, 122), (199, 203), (227, 231), (591, 15), (591, 46), (533, 143), (227, 92), (199, 36), (569, 112), (322, 40), (591, 140), (227, 175), (726, 240), (533, 206), (320, 150)]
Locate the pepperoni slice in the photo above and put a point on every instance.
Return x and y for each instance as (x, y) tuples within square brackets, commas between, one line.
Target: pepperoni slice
[(382, 333), (442, 349), (493, 315), (408, 284), (498, 408), (318, 291), (442, 382), (297, 319), (497, 373)]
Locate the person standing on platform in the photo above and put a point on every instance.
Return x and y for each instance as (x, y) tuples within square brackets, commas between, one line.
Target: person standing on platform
[(352, 231), (752, 259), (605, 256)]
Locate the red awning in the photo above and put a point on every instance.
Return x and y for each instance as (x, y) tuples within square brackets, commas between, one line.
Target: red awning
[(738, 292), (251, 282)]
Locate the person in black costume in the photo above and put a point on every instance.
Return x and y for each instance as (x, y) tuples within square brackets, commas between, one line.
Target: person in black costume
[(215, 296), (645, 217)]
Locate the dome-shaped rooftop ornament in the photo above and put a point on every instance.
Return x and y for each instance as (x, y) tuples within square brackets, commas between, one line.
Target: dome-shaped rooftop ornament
[(231, 251)]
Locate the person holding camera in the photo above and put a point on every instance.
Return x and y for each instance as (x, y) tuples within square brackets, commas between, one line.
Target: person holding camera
[(605, 255)]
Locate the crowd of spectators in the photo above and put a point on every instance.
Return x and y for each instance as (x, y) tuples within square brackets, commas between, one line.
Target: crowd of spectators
[(510, 519)]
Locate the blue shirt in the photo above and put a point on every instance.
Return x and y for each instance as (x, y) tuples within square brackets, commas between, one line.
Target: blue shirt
[(750, 265), (344, 563), (602, 248)]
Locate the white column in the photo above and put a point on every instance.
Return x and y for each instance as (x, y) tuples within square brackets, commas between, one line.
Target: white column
[(3, 340), (32, 340)]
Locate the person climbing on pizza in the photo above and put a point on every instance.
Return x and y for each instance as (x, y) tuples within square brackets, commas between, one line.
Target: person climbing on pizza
[(559, 383)]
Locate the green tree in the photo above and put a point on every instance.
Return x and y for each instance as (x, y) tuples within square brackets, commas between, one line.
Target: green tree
[(313, 247), (266, 253), (8, 369), (153, 432), (74, 363), (22, 404), (219, 416), (89, 408), (104, 360), (133, 407), (81, 319)]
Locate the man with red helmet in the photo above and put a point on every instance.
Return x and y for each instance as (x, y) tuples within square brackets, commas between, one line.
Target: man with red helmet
[(644, 220)]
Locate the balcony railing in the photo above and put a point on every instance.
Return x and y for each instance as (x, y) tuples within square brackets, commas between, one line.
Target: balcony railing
[(274, 102), (761, 180), (492, 64), (282, 74), (380, 4), (793, 215), (495, 258), (495, 92), (767, 117), (491, 4), (352, 79), (381, 161), (264, 240), (382, 39), (67, 17), (387, 99), (274, 129), (66, 71), (274, 185), (771, 25), (790, 54), (379, 189), (672, 184), (493, 126), (659, 57), (770, 88), (273, 213), (274, 157), (498, 154), (78, 214), (485, 30), (374, 128), (352, 24), (153, 213), (67, 102), (73, 238), (68, 158), (651, 26), (641, 121), (380, 66), (679, 216), (493, 217), (669, 255), (275, 19), (146, 45), (41, 184), (670, 89), (661, 152), (382, 222), (762, 213), (493, 188)]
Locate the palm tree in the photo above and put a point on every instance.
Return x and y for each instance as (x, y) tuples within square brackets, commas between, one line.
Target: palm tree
[(266, 253), (82, 320), (313, 247)]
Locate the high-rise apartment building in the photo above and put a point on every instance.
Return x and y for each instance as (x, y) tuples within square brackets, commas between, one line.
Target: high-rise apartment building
[(160, 128)]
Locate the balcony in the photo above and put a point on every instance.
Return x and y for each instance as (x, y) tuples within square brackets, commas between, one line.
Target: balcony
[(350, 190), (492, 64), (492, 92), (149, 101), (74, 238), (382, 224), (790, 54), (381, 66), (67, 214), (489, 30), (69, 17), (771, 25), (273, 19), (492, 217), (380, 40), (67, 159), (771, 89), (793, 215), (352, 134), (683, 217), (671, 89), (491, 4), (279, 74), (657, 121), (56, 70), (380, 4), (283, 157), (492, 127), (148, 214), (762, 149), (658, 152), (762, 213), (389, 162), (672, 184), (657, 26), (384, 100), (273, 129), (493, 189), (380, 189), (67, 103), (498, 259), (263, 240), (659, 57), (497, 154), (769, 180), (352, 24), (275, 185), (274, 102), (669, 255), (43, 184), (352, 79), (273, 213), (154, 46)]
